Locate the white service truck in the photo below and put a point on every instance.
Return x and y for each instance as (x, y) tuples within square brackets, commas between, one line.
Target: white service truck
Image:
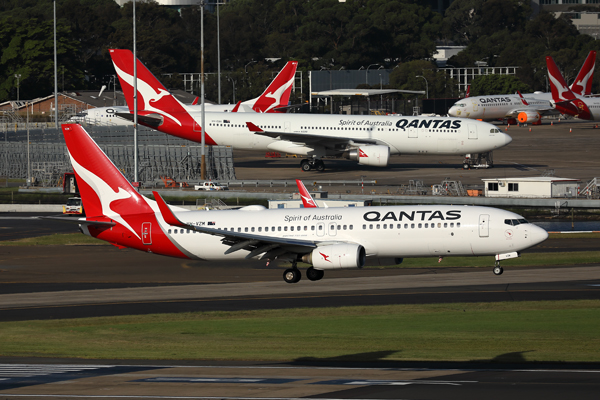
[(210, 186)]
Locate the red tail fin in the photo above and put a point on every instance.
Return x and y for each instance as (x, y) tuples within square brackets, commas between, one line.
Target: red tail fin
[(560, 90), (583, 83), (152, 95), (307, 199), (564, 99), (468, 91), (105, 192), (278, 92)]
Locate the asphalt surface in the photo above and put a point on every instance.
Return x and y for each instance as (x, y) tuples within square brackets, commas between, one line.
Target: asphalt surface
[(28, 274)]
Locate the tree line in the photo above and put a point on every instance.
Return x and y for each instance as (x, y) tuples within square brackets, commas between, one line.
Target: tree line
[(320, 34)]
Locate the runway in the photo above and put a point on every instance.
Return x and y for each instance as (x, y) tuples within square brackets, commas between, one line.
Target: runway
[(291, 381)]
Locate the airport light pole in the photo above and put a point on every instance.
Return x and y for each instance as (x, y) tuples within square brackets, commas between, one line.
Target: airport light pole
[(18, 76), (426, 84), (55, 73), (202, 122), (367, 73), (233, 83)]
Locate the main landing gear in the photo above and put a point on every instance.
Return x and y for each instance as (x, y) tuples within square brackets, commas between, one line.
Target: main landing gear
[(313, 163), (293, 275)]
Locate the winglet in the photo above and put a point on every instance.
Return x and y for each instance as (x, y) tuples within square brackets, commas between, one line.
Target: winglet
[(253, 128), (307, 199), (166, 212), (195, 101), (237, 107)]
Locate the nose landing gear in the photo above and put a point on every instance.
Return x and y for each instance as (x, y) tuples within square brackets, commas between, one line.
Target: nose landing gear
[(498, 269)]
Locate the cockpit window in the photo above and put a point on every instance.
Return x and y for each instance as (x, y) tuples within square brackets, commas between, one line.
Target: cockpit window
[(515, 222), (460, 105), (494, 130)]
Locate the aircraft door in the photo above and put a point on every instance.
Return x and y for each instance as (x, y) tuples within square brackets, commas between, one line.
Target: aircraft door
[(475, 106), (147, 233), (197, 127), (287, 126), (320, 229), (472, 131), (413, 133), (332, 229), (484, 225)]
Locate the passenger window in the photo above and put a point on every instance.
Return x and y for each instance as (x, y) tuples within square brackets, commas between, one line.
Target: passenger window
[(420, 225), (246, 229)]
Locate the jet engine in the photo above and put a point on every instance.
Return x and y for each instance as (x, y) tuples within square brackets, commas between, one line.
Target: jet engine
[(337, 256), (376, 156), (528, 117)]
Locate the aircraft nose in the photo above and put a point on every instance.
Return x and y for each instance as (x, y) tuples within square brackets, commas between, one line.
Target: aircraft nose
[(504, 139), (537, 235), (452, 111)]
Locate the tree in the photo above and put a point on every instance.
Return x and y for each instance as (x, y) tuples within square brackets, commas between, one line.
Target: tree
[(497, 84), (28, 50)]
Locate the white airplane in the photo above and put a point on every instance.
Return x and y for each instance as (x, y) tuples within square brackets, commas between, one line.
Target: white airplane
[(369, 140), (567, 102), (275, 98), (489, 108), (326, 238)]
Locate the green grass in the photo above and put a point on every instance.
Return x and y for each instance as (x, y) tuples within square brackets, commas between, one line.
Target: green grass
[(565, 331)]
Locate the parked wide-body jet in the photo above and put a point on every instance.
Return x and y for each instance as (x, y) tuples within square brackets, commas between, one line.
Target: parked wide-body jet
[(366, 139), (326, 238)]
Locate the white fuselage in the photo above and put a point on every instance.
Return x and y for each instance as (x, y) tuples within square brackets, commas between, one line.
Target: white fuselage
[(397, 231), (489, 108), (329, 135)]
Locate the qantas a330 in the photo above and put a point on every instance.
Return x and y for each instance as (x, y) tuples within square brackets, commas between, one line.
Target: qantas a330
[(528, 108), (369, 140), (326, 238)]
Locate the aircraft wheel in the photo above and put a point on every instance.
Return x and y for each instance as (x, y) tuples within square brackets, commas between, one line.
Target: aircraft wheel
[(498, 270), (305, 166), (292, 275), (314, 274), (465, 166), (320, 165)]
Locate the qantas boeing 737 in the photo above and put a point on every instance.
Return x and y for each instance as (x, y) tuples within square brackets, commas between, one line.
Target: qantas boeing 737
[(275, 98), (369, 140), (326, 238), (526, 109)]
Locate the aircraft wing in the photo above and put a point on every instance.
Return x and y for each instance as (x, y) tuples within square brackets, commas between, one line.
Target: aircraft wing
[(309, 138), (540, 110), (256, 244)]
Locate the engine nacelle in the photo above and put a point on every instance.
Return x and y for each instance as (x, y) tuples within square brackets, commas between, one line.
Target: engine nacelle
[(529, 117), (376, 156), (337, 256)]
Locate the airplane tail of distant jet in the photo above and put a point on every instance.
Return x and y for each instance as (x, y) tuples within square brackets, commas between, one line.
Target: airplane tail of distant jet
[(278, 92), (152, 95), (307, 199), (115, 211), (157, 108), (564, 99), (583, 82)]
